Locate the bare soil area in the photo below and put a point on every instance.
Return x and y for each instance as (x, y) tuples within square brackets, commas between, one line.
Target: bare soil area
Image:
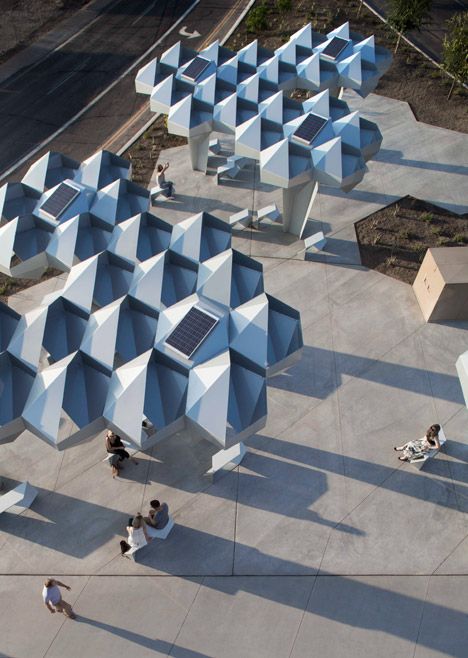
[(144, 153), (24, 21), (394, 240), (9, 286)]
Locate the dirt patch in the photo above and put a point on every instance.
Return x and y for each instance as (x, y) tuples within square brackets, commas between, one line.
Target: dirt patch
[(394, 240), (144, 153), (24, 21), (9, 286)]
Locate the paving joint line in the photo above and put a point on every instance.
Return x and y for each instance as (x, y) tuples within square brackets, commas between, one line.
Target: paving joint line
[(446, 558), (422, 616), (302, 616), (245, 575), (235, 521), (186, 615)]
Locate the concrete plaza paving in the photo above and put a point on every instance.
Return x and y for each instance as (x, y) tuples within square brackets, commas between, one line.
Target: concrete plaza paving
[(321, 543)]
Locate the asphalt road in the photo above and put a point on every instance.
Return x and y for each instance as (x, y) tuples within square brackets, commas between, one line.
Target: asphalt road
[(36, 103), (431, 36)]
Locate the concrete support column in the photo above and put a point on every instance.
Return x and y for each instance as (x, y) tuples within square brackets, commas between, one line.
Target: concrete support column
[(297, 204), (199, 151), (337, 92)]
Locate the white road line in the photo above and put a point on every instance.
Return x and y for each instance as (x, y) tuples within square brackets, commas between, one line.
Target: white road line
[(98, 97), (144, 13), (61, 82)]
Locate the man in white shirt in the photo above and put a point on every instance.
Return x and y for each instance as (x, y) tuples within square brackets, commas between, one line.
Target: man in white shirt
[(53, 598)]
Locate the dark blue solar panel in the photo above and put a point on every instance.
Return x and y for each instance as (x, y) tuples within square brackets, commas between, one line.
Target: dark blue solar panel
[(335, 47), (59, 200), (191, 331), (195, 68), (309, 128)]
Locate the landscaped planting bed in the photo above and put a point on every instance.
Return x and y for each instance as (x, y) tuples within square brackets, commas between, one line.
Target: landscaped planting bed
[(394, 240)]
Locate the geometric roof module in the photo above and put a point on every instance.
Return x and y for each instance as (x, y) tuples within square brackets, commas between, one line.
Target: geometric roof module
[(107, 349), (64, 212), (298, 145)]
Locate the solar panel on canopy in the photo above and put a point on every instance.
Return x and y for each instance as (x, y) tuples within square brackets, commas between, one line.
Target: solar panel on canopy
[(335, 47), (191, 331), (309, 128), (195, 68), (59, 200)]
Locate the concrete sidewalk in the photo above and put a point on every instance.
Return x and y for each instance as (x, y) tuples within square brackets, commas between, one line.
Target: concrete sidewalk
[(321, 543)]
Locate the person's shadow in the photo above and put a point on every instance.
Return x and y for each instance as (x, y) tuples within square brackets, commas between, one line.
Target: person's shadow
[(162, 646)]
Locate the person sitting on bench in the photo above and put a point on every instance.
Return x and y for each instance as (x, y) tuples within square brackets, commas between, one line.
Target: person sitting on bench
[(158, 516), (166, 185), (414, 449), (137, 535), (116, 449)]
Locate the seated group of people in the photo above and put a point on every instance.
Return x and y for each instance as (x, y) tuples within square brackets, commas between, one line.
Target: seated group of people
[(137, 528), (419, 447)]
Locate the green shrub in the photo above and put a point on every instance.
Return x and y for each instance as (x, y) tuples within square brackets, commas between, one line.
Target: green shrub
[(455, 49), (284, 5), (461, 237), (403, 234), (405, 15), (426, 217), (257, 19)]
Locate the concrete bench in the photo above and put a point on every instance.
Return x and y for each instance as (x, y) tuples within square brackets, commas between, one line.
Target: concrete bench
[(315, 241), (155, 192), (154, 534), (226, 170), (243, 217), (269, 212), (420, 460), (224, 461), (18, 499)]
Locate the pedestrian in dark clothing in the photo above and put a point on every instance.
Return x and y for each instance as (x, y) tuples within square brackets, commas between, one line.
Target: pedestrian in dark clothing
[(116, 449)]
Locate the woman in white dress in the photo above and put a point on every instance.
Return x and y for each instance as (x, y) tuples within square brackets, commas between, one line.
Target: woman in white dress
[(137, 535), (418, 447)]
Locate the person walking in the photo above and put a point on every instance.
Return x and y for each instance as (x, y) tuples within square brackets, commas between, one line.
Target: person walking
[(53, 598)]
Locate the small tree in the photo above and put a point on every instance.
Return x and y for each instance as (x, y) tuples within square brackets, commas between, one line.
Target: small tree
[(406, 15), (257, 19), (455, 49)]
